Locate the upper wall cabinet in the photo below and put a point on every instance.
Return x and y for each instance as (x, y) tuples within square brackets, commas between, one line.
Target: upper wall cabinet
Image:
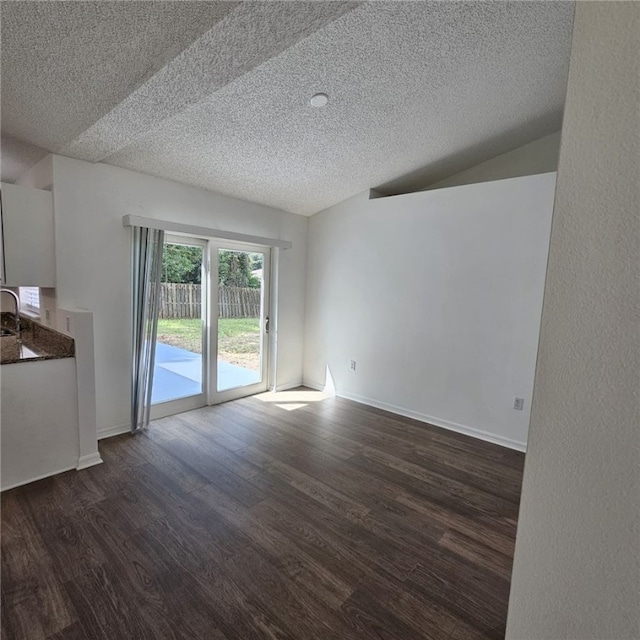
[(28, 246)]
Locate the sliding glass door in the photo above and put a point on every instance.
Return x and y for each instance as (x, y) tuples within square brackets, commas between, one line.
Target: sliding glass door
[(181, 357), (212, 342), (239, 323)]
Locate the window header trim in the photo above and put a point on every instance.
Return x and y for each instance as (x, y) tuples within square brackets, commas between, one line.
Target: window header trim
[(202, 232)]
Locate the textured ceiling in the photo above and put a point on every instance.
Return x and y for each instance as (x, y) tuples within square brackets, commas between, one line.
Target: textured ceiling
[(216, 94), (65, 64)]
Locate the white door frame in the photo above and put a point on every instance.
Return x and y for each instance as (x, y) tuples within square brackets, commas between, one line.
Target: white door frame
[(214, 396), (210, 394)]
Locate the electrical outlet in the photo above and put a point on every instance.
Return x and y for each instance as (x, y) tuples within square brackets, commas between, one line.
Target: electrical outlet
[(352, 365), (68, 325), (518, 403), (47, 316)]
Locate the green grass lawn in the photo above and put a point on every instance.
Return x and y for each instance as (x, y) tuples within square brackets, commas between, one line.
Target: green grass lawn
[(232, 327), (181, 332), (236, 336)]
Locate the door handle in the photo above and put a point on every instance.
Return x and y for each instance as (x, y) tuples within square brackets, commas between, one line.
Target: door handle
[(266, 325)]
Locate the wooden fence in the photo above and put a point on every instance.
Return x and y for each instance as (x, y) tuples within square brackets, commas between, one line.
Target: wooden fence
[(184, 301)]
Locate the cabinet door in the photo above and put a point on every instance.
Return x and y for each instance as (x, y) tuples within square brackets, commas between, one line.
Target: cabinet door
[(28, 237)]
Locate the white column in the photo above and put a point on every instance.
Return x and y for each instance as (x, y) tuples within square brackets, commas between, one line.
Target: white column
[(79, 325), (577, 562)]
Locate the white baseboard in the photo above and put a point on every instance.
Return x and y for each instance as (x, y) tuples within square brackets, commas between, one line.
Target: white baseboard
[(313, 385), (408, 413), (118, 430), (36, 478), (288, 385), (90, 460), (438, 422)]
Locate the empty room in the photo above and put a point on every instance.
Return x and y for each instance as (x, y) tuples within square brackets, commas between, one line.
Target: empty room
[(320, 320)]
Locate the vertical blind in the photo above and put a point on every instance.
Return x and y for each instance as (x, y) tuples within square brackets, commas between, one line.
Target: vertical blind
[(147, 268)]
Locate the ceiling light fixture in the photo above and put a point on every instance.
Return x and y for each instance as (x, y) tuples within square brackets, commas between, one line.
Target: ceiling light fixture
[(319, 100)]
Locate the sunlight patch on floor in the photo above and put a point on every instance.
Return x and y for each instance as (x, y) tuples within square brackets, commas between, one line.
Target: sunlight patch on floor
[(292, 400), (292, 406)]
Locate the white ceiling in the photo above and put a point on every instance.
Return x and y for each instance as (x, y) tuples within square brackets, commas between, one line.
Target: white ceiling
[(215, 94)]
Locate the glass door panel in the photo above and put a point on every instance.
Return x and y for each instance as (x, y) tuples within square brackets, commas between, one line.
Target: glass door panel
[(179, 369), (242, 300)]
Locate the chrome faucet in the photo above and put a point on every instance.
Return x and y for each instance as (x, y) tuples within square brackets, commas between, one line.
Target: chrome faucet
[(17, 301)]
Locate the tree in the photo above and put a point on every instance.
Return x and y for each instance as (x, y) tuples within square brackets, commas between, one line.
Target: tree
[(256, 261), (181, 263), (234, 269)]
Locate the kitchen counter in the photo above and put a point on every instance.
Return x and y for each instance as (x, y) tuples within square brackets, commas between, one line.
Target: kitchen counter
[(38, 342)]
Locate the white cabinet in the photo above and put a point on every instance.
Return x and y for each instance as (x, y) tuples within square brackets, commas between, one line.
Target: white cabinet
[(28, 246), (39, 420)]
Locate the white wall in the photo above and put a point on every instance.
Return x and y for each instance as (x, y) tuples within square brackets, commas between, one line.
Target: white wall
[(93, 262), (38, 176), (539, 156), (577, 562), (437, 296)]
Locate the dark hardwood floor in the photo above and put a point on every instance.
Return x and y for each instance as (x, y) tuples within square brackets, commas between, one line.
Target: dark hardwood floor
[(300, 519)]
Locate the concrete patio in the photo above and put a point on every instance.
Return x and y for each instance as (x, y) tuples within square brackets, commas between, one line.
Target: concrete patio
[(177, 374)]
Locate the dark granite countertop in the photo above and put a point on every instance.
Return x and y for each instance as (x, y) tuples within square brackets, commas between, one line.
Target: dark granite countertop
[(38, 342)]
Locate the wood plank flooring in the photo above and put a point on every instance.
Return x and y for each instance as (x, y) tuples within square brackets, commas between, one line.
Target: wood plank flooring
[(300, 519)]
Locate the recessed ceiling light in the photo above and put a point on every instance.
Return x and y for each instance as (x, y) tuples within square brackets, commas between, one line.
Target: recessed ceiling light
[(319, 100)]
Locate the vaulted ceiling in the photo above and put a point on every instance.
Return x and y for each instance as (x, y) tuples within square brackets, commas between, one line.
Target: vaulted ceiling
[(216, 94)]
